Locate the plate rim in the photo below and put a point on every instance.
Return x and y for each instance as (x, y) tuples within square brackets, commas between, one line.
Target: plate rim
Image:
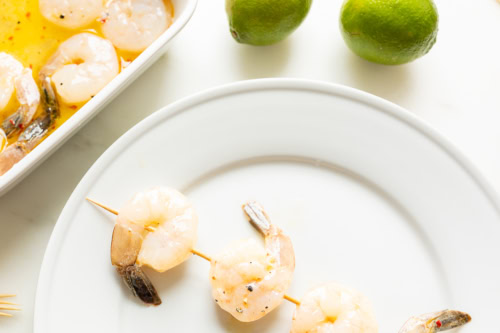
[(167, 112)]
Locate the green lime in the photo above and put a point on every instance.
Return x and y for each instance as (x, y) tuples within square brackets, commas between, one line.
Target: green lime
[(264, 22), (390, 32)]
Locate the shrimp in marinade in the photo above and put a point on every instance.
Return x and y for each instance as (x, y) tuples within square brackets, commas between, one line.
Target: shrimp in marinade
[(36, 130), (132, 25), (71, 14), (13, 76), (333, 308), (81, 67), (156, 228), (249, 280)]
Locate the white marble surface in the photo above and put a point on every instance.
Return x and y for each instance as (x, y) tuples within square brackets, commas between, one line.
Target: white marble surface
[(454, 88)]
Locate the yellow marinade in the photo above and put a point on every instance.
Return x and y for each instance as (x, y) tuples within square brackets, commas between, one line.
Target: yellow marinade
[(31, 39)]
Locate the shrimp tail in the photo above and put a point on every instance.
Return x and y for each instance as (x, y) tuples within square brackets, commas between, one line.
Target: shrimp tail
[(436, 322), (51, 105), (13, 122), (257, 217), (140, 285), (36, 130), (41, 125), (448, 319)]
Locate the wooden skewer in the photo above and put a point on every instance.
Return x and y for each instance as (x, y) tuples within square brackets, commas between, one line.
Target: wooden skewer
[(112, 211), (201, 255), (7, 306), (291, 299), (193, 251)]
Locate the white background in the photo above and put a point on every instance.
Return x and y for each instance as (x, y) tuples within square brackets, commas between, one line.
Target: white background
[(455, 88)]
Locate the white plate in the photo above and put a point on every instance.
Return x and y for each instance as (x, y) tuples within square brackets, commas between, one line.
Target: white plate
[(184, 9), (370, 196)]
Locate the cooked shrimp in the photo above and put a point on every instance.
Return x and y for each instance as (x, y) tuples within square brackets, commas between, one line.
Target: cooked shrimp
[(81, 67), (14, 76), (435, 322), (132, 25), (333, 308), (71, 14), (156, 228), (250, 280)]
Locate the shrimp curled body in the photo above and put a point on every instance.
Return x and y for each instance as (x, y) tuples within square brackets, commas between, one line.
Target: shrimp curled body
[(249, 280), (132, 25), (71, 14), (156, 228), (333, 308), (81, 67)]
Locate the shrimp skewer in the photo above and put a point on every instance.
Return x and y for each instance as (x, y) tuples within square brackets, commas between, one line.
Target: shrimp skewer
[(254, 212), (332, 307)]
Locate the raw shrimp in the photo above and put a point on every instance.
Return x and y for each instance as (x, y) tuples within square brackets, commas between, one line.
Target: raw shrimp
[(35, 131), (71, 14), (435, 322), (10, 69), (249, 280), (14, 76), (156, 228), (333, 308), (81, 67), (30, 137), (132, 25)]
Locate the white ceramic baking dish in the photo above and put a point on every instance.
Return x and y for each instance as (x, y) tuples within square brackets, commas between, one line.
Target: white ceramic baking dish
[(184, 9)]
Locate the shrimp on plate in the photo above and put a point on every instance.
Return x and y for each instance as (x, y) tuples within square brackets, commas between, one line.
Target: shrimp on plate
[(333, 308), (80, 68), (435, 322), (13, 76), (156, 228), (71, 14), (132, 25), (250, 280)]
